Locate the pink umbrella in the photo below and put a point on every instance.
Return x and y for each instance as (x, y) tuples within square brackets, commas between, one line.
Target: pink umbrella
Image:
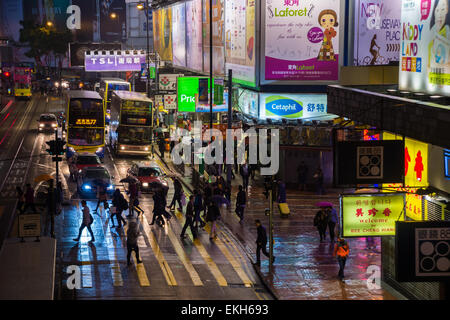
[(324, 204)]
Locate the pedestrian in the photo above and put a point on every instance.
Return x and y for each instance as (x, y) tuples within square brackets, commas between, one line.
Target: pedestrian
[(261, 242), (102, 197), (198, 207), (370, 243), (318, 178), (176, 195), (212, 215), (29, 199), (120, 205), (20, 199), (162, 146), (133, 196), (241, 200), (88, 219), (59, 197), (332, 220), (341, 249), (245, 174), (302, 172), (208, 192), (73, 170), (189, 219), (321, 222), (281, 194), (51, 208), (132, 245), (159, 207)]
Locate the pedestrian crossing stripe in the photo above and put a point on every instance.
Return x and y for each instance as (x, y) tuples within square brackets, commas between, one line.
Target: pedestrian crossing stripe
[(112, 255), (167, 272)]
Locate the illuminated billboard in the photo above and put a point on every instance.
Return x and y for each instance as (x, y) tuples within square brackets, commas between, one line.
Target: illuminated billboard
[(370, 215), (218, 36), (179, 35), (194, 49), (193, 95), (162, 33), (377, 32), (425, 46), (292, 106), (240, 40), (302, 40)]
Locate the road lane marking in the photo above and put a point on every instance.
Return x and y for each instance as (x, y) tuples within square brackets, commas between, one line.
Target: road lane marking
[(167, 272), (116, 274)]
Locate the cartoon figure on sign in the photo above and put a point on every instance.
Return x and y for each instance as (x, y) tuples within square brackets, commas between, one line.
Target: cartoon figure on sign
[(418, 168), (438, 48), (327, 20), (407, 160)]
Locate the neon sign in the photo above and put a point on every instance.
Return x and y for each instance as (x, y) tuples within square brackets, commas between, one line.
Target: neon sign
[(89, 122)]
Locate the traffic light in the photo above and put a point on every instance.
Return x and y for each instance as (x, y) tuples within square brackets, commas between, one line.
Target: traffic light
[(56, 147), (7, 74)]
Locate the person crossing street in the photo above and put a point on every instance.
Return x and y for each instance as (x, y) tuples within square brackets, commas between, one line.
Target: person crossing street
[(189, 219), (241, 200), (341, 250), (261, 243), (87, 222)]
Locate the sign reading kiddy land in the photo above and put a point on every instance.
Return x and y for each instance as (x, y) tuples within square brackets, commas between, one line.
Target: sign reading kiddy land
[(371, 215)]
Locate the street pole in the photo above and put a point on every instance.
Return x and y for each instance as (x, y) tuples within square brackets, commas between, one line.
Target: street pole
[(211, 64), (230, 119), (147, 11), (271, 225), (52, 229)]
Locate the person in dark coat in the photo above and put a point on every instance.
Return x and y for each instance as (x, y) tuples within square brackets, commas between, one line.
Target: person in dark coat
[(198, 207), (159, 206), (241, 200), (245, 175), (302, 172), (177, 195), (281, 196), (321, 222), (189, 219), (212, 216), (120, 204), (132, 245), (29, 199), (261, 243), (318, 178)]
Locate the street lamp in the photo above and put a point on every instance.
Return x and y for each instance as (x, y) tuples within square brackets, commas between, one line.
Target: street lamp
[(49, 24), (113, 15)]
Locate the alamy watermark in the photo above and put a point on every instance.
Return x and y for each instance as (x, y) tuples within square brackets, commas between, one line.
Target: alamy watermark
[(373, 282), (259, 143)]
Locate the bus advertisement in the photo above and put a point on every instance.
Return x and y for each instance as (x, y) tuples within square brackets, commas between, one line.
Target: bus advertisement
[(85, 123), (107, 86), (131, 123), (22, 82)]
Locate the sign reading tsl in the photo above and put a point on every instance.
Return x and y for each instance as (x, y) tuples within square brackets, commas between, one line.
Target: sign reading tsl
[(98, 61)]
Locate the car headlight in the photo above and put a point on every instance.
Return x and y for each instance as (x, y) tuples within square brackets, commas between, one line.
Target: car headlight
[(146, 148), (87, 187), (122, 147), (71, 149), (99, 150), (79, 171), (41, 125), (145, 184), (54, 125), (110, 187)]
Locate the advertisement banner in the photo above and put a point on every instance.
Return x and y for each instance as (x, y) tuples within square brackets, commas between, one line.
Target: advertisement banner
[(218, 37), (377, 32), (240, 46), (113, 29), (168, 82), (247, 101), (119, 61), (193, 95), (292, 106), (179, 34), (302, 40), (425, 46), (370, 215), (170, 101), (77, 51), (157, 30), (194, 49)]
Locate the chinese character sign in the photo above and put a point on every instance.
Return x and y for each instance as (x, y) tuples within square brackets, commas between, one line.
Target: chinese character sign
[(432, 252), (119, 61), (366, 216), (425, 46), (302, 40)]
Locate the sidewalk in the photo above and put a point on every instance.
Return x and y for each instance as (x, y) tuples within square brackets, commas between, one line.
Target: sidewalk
[(304, 268)]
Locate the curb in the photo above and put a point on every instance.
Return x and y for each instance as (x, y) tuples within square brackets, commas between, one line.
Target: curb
[(257, 270)]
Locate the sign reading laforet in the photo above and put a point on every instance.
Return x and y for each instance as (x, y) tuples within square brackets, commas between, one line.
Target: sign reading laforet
[(425, 46), (302, 40), (377, 32)]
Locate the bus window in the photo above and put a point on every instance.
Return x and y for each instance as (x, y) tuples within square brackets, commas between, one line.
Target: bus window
[(117, 86), (91, 111), (134, 135), (136, 113), (86, 136)]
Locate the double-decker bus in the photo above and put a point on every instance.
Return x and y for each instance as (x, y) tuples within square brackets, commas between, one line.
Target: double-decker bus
[(107, 86), (85, 123), (22, 82), (131, 123)]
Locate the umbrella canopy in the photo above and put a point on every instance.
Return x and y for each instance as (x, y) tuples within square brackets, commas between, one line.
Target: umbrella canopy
[(324, 204), (43, 177), (129, 179)]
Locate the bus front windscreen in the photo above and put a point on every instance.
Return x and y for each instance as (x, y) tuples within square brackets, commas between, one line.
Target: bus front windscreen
[(86, 112), (134, 135), (86, 137), (116, 87), (136, 113)]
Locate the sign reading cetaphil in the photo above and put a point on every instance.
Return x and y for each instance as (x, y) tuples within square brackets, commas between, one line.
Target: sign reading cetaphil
[(371, 215), (124, 60), (302, 40), (425, 46), (292, 106)]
